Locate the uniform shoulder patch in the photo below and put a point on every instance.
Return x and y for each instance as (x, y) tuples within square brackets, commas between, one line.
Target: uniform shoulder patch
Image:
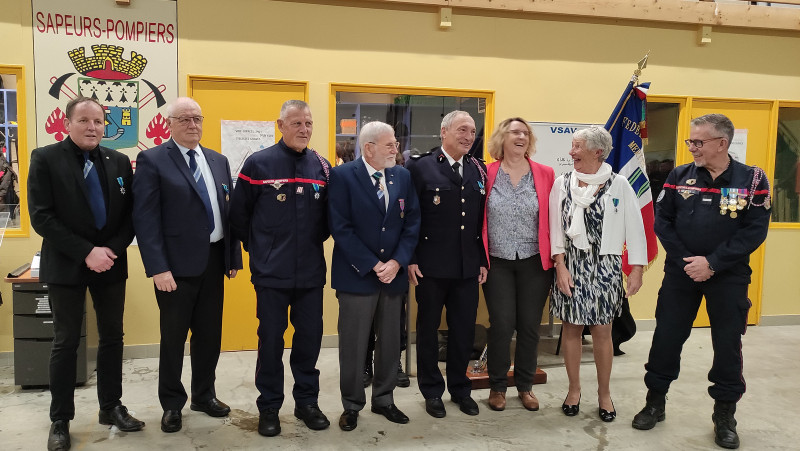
[(660, 196)]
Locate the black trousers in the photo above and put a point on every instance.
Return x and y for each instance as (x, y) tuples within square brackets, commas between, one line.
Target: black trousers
[(67, 304), (678, 301), (515, 291), (358, 316), (460, 298), (306, 317), (197, 306)]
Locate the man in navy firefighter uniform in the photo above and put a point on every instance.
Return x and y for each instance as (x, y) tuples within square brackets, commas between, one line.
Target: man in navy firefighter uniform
[(279, 211), (374, 218), (449, 263), (711, 215)]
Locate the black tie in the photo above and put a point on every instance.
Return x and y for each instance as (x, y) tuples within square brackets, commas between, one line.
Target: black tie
[(201, 186), (457, 165), (96, 201)]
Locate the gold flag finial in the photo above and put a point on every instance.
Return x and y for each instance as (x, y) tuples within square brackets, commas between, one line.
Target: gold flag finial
[(642, 64)]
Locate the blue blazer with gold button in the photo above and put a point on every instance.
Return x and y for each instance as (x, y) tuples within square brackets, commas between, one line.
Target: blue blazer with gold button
[(364, 234)]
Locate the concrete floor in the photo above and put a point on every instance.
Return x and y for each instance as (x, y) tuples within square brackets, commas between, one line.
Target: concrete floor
[(768, 414)]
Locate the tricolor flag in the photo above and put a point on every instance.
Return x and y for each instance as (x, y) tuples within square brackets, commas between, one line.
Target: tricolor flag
[(627, 128)]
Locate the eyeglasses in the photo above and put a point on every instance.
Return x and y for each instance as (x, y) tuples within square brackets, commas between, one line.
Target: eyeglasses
[(395, 145), (698, 143), (186, 120), (519, 132)]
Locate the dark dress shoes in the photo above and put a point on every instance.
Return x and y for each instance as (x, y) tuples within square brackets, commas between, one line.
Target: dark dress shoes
[(349, 420), (119, 417), (213, 407), (171, 421), (607, 416), (402, 377), (269, 425), (312, 417), (391, 412), (467, 405), (58, 440), (435, 407)]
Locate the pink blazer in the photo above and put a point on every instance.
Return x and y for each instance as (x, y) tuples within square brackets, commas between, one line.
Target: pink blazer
[(543, 177)]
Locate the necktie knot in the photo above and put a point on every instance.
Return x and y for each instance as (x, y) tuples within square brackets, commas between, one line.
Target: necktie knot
[(456, 165)]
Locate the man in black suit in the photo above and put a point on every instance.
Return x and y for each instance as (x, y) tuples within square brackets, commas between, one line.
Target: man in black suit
[(450, 262), (80, 203), (180, 213)]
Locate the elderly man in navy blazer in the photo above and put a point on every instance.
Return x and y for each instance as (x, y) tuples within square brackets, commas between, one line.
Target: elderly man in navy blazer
[(180, 214), (374, 219)]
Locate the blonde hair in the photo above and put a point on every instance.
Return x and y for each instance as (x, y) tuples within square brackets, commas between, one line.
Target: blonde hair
[(499, 135)]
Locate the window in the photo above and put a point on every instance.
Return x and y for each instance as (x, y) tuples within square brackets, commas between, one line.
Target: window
[(786, 189), (13, 159), (415, 114)]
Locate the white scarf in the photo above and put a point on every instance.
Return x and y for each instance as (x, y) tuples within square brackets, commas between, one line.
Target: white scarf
[(582, 197)]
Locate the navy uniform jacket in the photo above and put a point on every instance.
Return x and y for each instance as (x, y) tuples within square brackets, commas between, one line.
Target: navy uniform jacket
[(688, 220), (279, 211), (364, 233), (58, 202), (169, 214), (450, 244)]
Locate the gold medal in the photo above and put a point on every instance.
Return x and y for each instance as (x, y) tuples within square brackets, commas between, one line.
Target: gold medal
[(732, 207), (734, 215), (281, 197), (436, 200), (402, 215), (227, 198), (723, 211)]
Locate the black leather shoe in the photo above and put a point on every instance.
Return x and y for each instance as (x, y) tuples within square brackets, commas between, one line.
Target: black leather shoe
[(571, 410), (349, 420), (725, 425), (171, 421), (119, 417), (652, 413), (213, 407), (58, 440), (269, 425), (392, 413), (312, 417), (435, 407), (402, 377), (467, 405)]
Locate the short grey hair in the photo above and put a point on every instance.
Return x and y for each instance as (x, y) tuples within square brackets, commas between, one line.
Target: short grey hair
[(181, 101), (596, 138), (448, 119), (371, 131), (721, 123), (289, 104)]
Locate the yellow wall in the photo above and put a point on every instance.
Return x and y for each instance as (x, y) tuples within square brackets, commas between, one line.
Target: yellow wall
[(544, 69)]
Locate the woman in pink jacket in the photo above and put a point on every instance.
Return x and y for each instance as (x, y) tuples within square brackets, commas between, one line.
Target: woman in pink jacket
[(516, 238)]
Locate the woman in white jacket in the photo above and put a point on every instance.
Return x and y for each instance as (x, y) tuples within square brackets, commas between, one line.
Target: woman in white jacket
[(593, 214)]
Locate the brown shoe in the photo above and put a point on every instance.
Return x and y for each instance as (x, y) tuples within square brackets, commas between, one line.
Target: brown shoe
[(497, 400), (529, 400)]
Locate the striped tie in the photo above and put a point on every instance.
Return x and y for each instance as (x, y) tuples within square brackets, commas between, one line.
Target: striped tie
[(379, 188)]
